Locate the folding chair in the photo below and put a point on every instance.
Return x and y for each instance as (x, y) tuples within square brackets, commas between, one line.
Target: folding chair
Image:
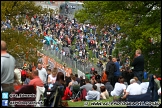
[(75, 91), (58, 96)]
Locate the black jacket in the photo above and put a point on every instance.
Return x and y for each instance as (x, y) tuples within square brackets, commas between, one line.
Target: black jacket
[(110, 69), (138, 63)]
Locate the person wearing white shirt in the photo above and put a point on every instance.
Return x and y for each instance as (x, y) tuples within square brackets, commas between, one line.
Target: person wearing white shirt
[(133, 89), (80, 53), (18, 73), (52, 76), (119, 88), (144, 87), (99, 84), (42, 73)]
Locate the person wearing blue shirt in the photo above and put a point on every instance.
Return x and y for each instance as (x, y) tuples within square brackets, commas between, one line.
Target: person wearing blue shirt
[(117, 73)]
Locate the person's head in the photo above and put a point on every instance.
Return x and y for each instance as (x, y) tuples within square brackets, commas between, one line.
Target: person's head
[(98, 81), (86, 80), (35, 73), (138, 52), (109, 58), (135, 78), (120, 77), (121, 80), (102, 88), (155, 76), (60, 77), (54, 72), (3, 46), (132, 81), (94, 87), (114, 59), (76, 75), (92, 70), (95, 72), (39, 66), (71, 74), (48, 71), (73, 78), (81, 77)]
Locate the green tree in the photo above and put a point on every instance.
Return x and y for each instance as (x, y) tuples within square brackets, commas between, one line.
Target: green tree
[(20, 44), (140, 22), (12, 8)]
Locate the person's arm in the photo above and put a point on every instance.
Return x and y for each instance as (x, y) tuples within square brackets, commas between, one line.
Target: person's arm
[(159, 91), (126, 94), (49, 80), (107, 68), (135, 61), (53, 88), (70, 84), (158, 84), (124, 91), (31, 82), (1, 66), (98, 96), (45, 73), (82, 87), (103, 96)]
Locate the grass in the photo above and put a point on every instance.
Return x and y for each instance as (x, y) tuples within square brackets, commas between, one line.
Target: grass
[(94, 103)]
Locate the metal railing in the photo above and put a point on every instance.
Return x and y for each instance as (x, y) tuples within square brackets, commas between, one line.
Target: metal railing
[(75, 64)]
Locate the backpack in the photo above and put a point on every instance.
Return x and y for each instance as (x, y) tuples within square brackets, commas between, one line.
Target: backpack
[(104, 77)]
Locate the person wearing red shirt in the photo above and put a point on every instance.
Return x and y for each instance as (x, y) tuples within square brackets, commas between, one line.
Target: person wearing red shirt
[(36, 81)]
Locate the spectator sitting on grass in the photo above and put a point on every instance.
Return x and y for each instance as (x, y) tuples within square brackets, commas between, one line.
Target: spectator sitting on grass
[(144, 86), (93, 94), (119, 88), (82, 81), (87, 86), (133, 89), (109, 87), (104, 93), (99, 84)]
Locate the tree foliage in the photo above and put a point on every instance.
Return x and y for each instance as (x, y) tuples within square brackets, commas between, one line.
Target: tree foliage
[(21, 45), (12, 8), (140, 21)]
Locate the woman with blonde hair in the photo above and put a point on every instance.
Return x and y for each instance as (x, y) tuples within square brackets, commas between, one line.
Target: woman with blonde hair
[(52, 76), (137, 80)]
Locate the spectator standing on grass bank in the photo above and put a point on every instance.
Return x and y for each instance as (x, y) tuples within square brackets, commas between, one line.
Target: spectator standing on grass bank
[(110, 69), (117, 73), (138, 65), (7, 69)]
